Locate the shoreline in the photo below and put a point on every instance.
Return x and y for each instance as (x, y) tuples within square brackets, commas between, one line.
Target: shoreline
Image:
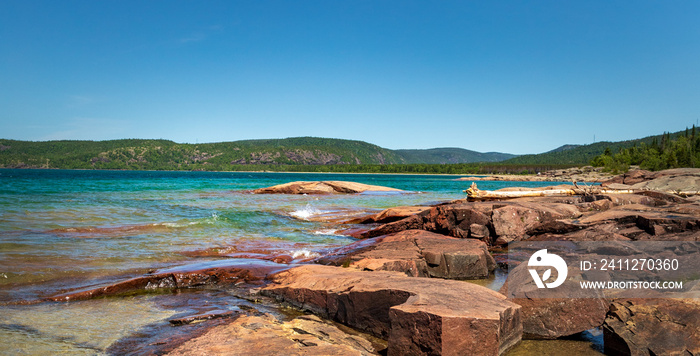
[(586, 174), (465, 176), (189, 171)]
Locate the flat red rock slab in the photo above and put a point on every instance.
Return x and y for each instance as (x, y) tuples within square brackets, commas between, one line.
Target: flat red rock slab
[(416, 315), (324, 187)]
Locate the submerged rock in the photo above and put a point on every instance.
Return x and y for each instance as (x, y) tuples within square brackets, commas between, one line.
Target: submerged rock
[(222, 272), (324, 187), (212, 314), (418, 316)]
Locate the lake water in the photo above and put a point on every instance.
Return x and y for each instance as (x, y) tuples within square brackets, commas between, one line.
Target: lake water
[(61, 230)]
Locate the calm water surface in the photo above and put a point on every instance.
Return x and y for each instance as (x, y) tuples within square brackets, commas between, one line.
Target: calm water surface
[(61, 230)]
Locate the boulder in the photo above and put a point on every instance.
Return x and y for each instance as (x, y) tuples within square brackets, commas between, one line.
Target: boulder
[(653, 327), (453, 219), (515, 221), (265, 335), (418, 316), (324, 187), (417, 253)]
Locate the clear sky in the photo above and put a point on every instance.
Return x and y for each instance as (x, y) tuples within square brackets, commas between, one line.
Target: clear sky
[(508, 76)]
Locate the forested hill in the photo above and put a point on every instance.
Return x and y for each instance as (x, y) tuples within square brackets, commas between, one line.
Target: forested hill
[(168, 155), (451, 155), (583, 154)]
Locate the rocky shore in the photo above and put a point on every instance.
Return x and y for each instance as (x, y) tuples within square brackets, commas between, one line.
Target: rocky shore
[(582, 174), (403, 287)]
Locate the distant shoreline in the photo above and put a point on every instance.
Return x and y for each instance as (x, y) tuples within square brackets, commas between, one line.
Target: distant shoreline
[(466, 175), (546, 177)]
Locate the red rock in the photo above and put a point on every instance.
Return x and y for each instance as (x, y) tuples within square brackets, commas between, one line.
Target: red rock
[(649, 215), (265, 335), (409, 223), (654, 221), (390, 215), (222, 272), (653, 327), (325, 187), (551, 318), (418, 253), (509, 220), (453, 220), (631, 177), (514, 222), (629, 199), (212, 314), (419, 316)]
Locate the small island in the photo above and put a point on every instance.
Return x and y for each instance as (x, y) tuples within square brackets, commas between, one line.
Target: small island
[(325, 187)]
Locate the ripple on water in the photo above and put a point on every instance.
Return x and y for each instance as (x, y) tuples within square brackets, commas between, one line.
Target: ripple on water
[(84, 327)]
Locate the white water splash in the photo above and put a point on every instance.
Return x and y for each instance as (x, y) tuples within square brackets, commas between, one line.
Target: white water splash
[(304, 253), (305, 213), (330, 232)]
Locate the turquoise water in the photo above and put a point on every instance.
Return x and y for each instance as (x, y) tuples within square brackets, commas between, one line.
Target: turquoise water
[(61, 230)]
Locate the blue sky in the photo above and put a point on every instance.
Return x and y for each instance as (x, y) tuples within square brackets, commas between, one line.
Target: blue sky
[(508, 76)]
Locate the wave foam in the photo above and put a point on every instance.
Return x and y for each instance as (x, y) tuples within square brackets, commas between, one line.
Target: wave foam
[(304, 253), (305, 213), (331, 232)]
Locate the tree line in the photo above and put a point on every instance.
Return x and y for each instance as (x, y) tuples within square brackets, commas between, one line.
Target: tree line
[(668, 151)]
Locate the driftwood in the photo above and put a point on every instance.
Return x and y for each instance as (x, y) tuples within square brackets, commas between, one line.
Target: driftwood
[(474, 193)]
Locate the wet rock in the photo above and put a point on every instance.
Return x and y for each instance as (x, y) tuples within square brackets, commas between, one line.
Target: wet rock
[(324, 187), (222, 272), (212, 314), (418, 316), (265, 335), (653, 327), (417, 253)]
